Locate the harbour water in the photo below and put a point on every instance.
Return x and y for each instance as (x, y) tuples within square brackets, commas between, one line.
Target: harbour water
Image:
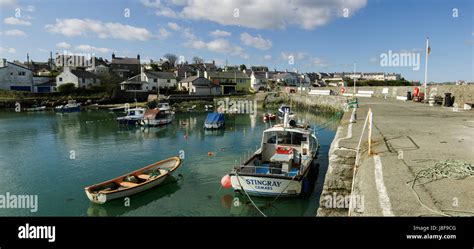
[(54, 156)]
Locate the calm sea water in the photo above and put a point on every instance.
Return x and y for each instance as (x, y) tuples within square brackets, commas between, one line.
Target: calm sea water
[(36, 150)]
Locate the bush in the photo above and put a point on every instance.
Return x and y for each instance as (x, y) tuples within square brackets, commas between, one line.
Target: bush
[(67, 88)]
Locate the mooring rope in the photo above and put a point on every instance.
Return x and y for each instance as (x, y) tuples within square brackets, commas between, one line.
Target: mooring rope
[(454, 169), (248, 196)]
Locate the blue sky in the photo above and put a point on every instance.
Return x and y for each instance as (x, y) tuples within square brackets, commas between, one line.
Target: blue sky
[(325, 36)]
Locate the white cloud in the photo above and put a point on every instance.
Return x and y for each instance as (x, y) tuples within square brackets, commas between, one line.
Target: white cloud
[(174, 26), (318, 62), (8, 2), (30, 8), (255, 41), (15, 32), (295, 56), (16, 21), (92, 49), (63, 45), (160, 8), (219, 33), (218, 45), (163, 33), (81, 27), (259, 14), (267, 57), (7, 50)]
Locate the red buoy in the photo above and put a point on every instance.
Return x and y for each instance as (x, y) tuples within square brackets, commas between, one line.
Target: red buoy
[(225, 181)]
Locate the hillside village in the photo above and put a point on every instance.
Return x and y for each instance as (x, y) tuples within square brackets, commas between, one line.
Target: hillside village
[(130, 74)]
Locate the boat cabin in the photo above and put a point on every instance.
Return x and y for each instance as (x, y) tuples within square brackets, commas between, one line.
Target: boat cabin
[(284, 152)]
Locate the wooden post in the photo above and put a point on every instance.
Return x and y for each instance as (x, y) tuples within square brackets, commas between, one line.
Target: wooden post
[(370, 130)]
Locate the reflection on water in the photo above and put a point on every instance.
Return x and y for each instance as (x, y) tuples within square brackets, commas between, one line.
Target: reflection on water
[(35, 158)]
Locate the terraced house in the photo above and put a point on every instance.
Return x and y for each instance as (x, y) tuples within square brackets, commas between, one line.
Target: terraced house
[(230, 82)]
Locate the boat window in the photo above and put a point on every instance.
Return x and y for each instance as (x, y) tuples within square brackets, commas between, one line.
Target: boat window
[(270, 137), (132, 113)]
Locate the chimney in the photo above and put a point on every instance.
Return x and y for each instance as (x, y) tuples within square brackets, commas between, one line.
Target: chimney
[(185, 74), (213, 62), (199, 73), (138, 56), (113, 55), (266, 75)]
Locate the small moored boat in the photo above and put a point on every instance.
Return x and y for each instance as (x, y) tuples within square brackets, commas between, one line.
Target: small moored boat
[(157, 117), (133, 117), (133, 182), (36, 108), (214, 120), (269, 116), (71, 106)]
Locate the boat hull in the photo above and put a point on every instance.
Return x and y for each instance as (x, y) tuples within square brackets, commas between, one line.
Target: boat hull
[(266, 186), (128, 121), (156, 122), (102, 198)]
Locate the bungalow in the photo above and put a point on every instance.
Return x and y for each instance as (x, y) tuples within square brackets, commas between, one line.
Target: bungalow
[(230, 82), (15, 77), (196, 85), (80, 78)]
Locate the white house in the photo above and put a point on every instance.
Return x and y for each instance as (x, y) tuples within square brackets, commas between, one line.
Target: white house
[(393, 76), (149, 81), (15, 77), (258, 80), (80, 78), (196, 85), (374, 76), (289, 79)]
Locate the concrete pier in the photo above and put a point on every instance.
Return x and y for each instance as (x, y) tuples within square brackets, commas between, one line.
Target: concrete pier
[(407, 137)]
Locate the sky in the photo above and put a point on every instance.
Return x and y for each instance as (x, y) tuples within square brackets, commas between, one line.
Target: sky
[(303, 35)]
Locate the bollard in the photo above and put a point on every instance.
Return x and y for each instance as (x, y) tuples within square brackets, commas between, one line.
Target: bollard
[(353, 116)]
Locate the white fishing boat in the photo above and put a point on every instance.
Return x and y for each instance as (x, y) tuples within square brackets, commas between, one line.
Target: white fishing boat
[(281, 166), (71, 106), (36, 108), (163, 107), (157, 117), (133, 117)]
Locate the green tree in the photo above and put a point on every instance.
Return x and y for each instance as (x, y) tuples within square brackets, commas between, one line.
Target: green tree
[(67, 88), (242, 67)]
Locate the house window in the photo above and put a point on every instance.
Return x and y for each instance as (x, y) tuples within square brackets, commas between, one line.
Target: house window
[(83, 80), (155, 80), (21, 73), (60, 79), (168, 81)]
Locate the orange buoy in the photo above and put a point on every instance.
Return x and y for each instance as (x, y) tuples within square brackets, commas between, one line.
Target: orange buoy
[(226, 182), (210, 153)]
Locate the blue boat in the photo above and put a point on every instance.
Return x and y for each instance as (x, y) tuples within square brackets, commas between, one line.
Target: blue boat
[(214, 120)]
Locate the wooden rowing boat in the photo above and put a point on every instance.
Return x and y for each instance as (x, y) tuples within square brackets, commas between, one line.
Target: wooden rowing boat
[(133, 182)]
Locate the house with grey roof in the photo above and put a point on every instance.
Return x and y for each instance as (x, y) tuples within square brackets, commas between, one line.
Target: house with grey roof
[(198, 85), (80, 78), (149, 80), (125, 67)]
